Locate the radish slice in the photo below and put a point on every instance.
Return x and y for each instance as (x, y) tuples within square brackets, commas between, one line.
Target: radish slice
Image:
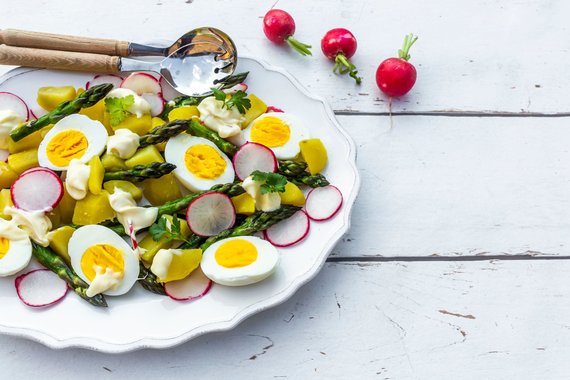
[(11, 102), (194, 286), (4, 155), (210, 214), (40, 287), (289, 231), (273, 109), (251, 157), (37, 189), (238, 87), (168, 92), (115, 80), (37, 113), (156, 103), (323, 202), (141, 83)]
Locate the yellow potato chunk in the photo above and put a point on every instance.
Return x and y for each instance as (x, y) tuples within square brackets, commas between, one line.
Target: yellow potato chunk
[(7, 175), (58, 241), (93, 209), (66, 207), (183, 264), (139, 125), (315, 154), (127, 186), (292, 195), (184, 113), (112, 163), (50, 97), (5, 200), (29, 142), (152, 247), (96, 173), (22, 161), (158, 191), (145, 156), (258, 107), (244, 204), (95, 112)]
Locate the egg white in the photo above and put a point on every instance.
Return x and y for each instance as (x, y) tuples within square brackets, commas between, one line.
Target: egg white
[(266, 263), (298, 132), (87, 236), (93, 130), (17, 258), (174, 153)]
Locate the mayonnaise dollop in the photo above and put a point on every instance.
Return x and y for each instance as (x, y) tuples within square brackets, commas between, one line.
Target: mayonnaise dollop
[(162, 261), (123, 143), (35, 223), (263, 202), (129, 213), (11, 231), (77, 179), (8, 121), (103, 281), (222, 120), (139, 107)]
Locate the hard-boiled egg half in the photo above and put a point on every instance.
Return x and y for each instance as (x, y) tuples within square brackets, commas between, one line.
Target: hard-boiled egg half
[(15, 252), (199, 163), (74, 136), (281, 132), (99, 254), (239, 261)]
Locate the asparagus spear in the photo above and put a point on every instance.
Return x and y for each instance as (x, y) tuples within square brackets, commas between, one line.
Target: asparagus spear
[(149, 281), (197, 129), (292, 168), (83, 100), (141, 172), (163, 132), (315, 180), (53, 262), (232, 189)]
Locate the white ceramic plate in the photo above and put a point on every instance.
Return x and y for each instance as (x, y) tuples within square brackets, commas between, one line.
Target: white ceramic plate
[(144, 320)]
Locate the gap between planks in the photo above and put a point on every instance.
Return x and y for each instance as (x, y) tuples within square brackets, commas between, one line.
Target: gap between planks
[(379, 259), (453, 113)]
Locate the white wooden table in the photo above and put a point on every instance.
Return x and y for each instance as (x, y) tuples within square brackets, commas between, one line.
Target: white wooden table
[(457, 262)]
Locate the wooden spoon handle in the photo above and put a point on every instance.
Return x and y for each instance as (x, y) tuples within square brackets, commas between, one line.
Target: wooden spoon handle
[(62, 60), (24, 38)]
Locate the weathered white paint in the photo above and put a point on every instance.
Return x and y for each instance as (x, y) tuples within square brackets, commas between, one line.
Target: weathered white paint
[(476, 320), (472, 55), (456, 186)]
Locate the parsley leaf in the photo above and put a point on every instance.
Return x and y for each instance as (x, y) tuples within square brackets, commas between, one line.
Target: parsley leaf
[(237, 100), (272, 182), (158, 230), (117, 108), (164, 229)]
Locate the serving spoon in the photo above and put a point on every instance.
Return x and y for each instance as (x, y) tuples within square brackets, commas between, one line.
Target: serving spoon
[(193, 64)]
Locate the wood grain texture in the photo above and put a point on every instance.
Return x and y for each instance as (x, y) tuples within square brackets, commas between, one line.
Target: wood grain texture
[(484, 320), (51, 41), (61, 60), (482, 56)]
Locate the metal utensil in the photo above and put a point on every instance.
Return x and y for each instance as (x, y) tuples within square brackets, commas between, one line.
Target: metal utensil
[(197, 61)]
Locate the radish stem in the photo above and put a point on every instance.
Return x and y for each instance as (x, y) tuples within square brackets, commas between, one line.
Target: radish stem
[(409, 40), (343, 66), (300, 47)]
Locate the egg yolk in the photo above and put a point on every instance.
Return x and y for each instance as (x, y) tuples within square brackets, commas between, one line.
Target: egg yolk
[(236, 253), (204, 161), (65, 146), (271, 132), (4, 247), (104, 256)]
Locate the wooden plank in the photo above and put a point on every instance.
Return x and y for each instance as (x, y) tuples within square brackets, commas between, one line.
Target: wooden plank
[(460, 186), (492, 319), (489, 56)]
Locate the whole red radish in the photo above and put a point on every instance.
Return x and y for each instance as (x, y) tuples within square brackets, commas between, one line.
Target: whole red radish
[(279, 27), (339, 45), (396, 76)]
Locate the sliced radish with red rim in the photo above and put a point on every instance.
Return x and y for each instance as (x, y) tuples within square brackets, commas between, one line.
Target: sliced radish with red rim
[(37, 112), (194, 286), (156, 103), (238, 87), (289, 231), (274, 109), (37, 189), (251, 157), (168, 92), (40, 288), (210, 214), (323, 202), (12, 102), (115, 80), (141, 83)]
